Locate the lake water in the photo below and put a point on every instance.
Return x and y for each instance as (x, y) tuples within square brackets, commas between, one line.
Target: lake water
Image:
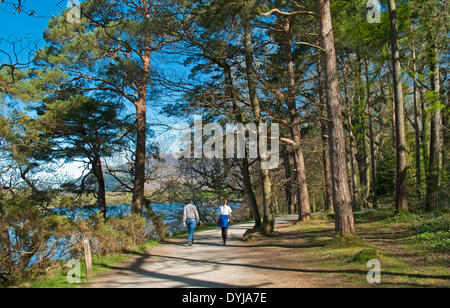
[(171, 212), (172, 215)]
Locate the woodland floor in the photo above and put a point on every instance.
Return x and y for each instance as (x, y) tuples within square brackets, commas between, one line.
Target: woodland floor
[(299, 255)]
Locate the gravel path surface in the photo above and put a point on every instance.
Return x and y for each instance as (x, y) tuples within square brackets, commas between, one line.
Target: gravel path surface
[(207, 264)]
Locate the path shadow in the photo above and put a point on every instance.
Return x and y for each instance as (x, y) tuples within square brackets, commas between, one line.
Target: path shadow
[(310, 244), (318, 271), (137, 268)]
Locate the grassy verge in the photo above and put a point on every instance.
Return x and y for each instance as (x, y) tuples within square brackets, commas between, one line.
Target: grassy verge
[(56, 277), (401, 244), (412, 249)]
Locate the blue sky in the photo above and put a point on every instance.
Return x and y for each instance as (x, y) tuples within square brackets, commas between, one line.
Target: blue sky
[(27, 31), (15, 25)]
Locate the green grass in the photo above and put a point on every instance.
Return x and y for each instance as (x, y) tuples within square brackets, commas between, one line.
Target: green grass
[(435, 241), (433, 232), (348, 242), (372, 215), (435, 224), (57, 277), (365, 255), (425, 232), (430, 231)]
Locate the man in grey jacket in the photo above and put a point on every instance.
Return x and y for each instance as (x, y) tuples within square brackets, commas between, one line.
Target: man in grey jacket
[(190, 219)]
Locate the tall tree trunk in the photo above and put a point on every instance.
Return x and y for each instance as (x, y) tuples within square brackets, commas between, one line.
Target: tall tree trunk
[(401, 189), (268, 225), (341, 189), (325, 140), (394, 142), (295, 126), (98, 172), (288, 179), (425, 131), (353, 164), (326, 166), (416, 122), (276, 206), (371, 138), (295, 190), (363, 167), (435, 132), (141, 125), (245, 166), (445, 113), (360, 138), (446, 137), (245, 170)]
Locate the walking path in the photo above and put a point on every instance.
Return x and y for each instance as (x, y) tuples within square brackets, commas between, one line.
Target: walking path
[(207, 264)]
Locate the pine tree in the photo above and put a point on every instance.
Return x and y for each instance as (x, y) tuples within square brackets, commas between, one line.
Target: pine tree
[(110, 51), (86, 128), (341, 190)]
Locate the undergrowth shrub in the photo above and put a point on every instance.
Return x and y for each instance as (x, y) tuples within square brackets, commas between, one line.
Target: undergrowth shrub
[(434, 233), (438, 241), (36, 240), (403, 218), (437, 224)]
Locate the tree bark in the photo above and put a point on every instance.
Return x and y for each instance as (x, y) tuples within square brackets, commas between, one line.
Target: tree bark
[(141, 125), (394, 141), (435, 132), (416, 122), (245, 170), (401, 185), (295, 190), (295, 126), (353, 163), (445, 130), (98, 172), (446, 138), (424, 133), (371, 138), (268, 225), (327, 169), (288, 179), (341, 191), (360, 138), (325, 142)]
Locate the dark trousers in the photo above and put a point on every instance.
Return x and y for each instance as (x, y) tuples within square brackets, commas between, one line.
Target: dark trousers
[(224, 234)]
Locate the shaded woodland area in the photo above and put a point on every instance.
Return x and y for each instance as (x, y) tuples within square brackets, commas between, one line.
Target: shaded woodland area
[(362, 106)]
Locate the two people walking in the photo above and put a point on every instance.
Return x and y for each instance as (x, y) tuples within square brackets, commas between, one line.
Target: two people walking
[(191, 220)]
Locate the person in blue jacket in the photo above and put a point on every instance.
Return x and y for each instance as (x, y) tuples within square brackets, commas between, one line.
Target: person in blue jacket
[(223, 219)]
